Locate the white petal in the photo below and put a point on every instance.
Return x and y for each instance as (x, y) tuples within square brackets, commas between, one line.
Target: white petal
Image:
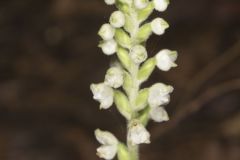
[(159, 94), (161, 5), (138, 134), (107, 152), (106, 103), (158, 114), (159, 26), (140, 4), (166, 59), (117, 19), (109, 2), (138, 54), (103, 94), (105, 137), (106, 32), (109, 47), (114, 77)]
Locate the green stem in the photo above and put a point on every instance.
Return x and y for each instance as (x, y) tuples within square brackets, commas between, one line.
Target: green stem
[(134, 149)]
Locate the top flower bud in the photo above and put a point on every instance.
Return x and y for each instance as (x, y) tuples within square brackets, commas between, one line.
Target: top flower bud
[(106, 32), (161, 5), (140, 4), (117, 19), (109, 2)]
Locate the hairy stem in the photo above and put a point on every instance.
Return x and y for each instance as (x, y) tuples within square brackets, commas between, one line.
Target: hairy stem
[(134, 149)]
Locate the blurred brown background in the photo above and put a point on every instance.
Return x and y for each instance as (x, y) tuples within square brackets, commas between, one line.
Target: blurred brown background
[(49, 57)]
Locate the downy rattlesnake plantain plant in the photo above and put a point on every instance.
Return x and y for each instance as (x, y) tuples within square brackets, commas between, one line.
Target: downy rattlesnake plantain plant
[(125, 35)]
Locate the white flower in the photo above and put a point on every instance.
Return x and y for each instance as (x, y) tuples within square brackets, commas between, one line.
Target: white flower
[(166, 59), (114, 77), (107, 151), (137, 133), (109, 2), (138, 54), (140, 4), (161, 5), (159, 26), (109, 47), (159, 94), (117, 19), (105, 137), (109, 142), (103, 94), (158, 114), (106, 32)]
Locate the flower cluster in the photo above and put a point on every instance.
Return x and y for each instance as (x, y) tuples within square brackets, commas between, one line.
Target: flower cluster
[(125, 36)]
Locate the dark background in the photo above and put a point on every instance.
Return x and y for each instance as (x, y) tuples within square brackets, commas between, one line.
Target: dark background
[(49, 57)]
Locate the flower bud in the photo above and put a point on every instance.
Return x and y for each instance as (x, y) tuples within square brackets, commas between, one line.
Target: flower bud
[(109, 2), (117, 19), (158, 114), (124, 58), (159, 26), (125, 8), (143, 14), (142, 99), (123, 38), (159, 94), (128, 83), (129, 25), (161, 5), (106, 32), (109, 47), (103, 94), (140, 4), (146, 69), (138, 54), (144, 33), (166, 59), (144, 116), (114, 77), (122, 104), (137, 133), (107, 152)]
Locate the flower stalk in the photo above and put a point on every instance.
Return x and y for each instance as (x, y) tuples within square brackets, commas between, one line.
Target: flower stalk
[(125, 36)]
